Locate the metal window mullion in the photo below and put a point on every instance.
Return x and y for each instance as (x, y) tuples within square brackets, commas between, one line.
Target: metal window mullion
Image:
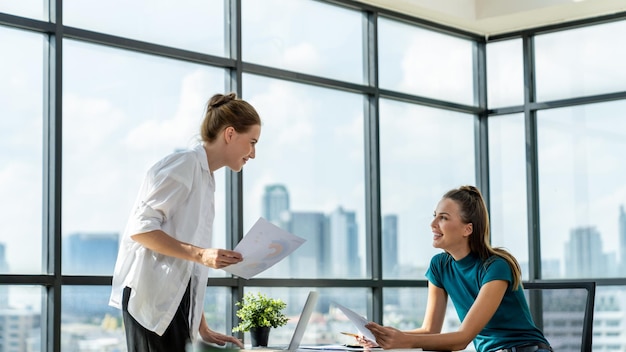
[(532, 178), (234, 180), (372, 166), (532, 174), (481, 130), (52, 173)]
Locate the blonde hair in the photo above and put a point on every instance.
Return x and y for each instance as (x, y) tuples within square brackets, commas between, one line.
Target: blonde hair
[(474, 211)]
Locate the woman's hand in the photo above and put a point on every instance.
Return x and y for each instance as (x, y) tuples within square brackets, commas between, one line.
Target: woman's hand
[(365, 342), (388, 337), (211, 336), (219, 258)]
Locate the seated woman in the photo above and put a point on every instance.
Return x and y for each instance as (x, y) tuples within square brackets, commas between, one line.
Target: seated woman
[(483, 282)]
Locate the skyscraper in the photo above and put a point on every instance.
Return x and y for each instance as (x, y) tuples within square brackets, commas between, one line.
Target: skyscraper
[(390, 245), (276, 204), (583, 254), (308, 260), (343, 245), (89, 253), (16, 329)]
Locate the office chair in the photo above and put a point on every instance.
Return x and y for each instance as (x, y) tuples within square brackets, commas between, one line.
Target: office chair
[(563, 310)]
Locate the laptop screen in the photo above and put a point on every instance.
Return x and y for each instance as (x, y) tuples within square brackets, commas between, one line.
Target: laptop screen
[(298, 333)]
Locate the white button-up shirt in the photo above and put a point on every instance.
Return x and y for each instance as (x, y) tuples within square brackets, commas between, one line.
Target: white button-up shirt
[(177, 197)]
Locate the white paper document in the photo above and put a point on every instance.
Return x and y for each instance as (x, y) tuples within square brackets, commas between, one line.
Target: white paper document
[(264, 245), (358, 320), (339, 348)]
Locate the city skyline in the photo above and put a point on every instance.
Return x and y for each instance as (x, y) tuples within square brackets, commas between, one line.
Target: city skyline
[(276, 208)]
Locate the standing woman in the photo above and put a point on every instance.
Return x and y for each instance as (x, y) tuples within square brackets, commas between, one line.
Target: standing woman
[(165, 254), (483, 282)]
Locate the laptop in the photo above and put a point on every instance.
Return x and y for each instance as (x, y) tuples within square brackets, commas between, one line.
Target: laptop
[(298, 333)]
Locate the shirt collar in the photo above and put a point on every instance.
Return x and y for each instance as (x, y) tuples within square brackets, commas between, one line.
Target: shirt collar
[(467, 261), (201, 154)]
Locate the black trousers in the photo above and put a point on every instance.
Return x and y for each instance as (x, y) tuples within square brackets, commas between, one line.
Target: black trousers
[(175, 338)]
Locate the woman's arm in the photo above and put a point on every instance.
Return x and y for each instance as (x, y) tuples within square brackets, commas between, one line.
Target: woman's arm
[(165, 244), (211, 336), (433, 317), (484, 307)]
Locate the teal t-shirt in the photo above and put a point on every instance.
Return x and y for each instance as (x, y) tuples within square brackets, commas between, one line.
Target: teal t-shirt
[(511, 325)]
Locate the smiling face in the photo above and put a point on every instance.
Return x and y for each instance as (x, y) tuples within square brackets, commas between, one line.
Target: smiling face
[(450, 233), (241, 146)]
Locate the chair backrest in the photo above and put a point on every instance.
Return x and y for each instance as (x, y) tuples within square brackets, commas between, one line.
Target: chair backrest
[(563, 310)]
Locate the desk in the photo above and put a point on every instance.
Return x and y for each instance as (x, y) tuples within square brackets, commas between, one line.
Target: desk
[(204, 347)]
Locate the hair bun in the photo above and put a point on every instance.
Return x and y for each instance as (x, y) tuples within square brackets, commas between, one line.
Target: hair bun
[(220, 99)]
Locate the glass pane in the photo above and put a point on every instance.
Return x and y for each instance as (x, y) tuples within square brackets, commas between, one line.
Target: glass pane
[(580, 62), (196, 25), (560, 314), (308, 176), (582, 189), (505, 73), (426, 63), (404, 309), (88, 323), (21, 148), (24, 8), (217, 306), (327, 320), (507, 186), (304, 36), (424, 152), (608, 319), (89, 253), (119, 120), (20, 318)]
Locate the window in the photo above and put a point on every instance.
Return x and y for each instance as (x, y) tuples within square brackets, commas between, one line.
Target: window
[(26, 8), (136, 109), (442, 71), (419, 163), (582, 211), (505, 73), (508, 198), (21, 152), (307, 176), (580, 62), (293, 38)]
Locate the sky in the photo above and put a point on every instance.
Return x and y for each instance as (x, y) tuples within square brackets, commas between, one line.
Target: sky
[(134, 109)]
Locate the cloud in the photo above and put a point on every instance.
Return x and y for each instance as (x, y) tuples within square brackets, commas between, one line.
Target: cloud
[(286, 114), (21, 189), (183, 125), (437, 66)]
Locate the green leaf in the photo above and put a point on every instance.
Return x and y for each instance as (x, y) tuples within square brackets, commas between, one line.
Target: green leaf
[(258, 310)]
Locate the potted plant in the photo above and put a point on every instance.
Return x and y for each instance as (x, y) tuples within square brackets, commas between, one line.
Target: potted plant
[(258, 314)]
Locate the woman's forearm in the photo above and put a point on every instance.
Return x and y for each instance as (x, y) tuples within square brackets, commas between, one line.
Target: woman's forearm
[(453, 341), (165, 244)]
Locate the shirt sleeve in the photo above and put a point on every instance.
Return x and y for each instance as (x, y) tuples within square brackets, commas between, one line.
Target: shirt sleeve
[(433, 274), (496, 268), (165, 188)]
